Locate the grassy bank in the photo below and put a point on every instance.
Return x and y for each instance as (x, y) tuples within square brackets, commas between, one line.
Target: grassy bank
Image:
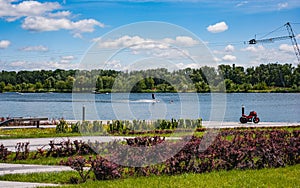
[(51, 132), (33, 133), (275, 177)]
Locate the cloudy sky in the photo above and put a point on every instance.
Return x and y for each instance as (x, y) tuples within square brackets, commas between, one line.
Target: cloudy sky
[(49, 34)]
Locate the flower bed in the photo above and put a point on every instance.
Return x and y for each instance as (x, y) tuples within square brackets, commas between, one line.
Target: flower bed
[(231, 149)]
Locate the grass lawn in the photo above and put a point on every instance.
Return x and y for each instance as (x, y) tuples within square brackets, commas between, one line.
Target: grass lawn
[(33, 133), (38, 161), (51, 132), (276, 177)]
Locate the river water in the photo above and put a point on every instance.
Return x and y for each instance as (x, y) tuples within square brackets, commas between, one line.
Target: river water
[(272, 107)]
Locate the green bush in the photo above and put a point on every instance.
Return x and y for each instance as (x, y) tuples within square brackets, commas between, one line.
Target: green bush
[(124, 126), (62, 127)]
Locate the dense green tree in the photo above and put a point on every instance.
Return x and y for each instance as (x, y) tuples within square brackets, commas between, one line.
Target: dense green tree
[(9, 88), (70, 82), (60, 85), (2, 86), (271, 77), (149, 82), (38, 86), (99, 83)]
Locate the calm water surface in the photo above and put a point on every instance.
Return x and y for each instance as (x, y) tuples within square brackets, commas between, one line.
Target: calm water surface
[(274, 107)]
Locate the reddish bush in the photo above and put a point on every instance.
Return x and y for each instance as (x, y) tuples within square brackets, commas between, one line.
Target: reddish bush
[(231, 149), (4, 153), (68, 148), (104, 169), (22, 151)]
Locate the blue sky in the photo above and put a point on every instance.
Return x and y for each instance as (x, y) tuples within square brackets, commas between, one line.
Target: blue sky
[(49, 34)]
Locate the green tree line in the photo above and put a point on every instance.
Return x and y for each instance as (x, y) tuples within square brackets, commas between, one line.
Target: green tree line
[(271, 77)]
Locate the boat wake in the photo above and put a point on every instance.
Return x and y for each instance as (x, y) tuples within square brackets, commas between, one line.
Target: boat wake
[(145, 101)]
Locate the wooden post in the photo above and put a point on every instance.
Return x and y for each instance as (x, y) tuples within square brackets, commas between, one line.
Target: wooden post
[(83, 113)]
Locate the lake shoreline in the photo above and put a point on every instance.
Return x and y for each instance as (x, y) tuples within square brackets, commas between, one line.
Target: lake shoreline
[(227, 92)]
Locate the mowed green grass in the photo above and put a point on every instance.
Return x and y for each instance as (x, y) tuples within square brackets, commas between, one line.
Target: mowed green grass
[(275, 177), (33, 133), (51, 132), (280, 177)]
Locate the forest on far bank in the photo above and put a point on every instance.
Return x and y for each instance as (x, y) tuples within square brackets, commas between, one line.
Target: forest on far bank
[(273, 77)]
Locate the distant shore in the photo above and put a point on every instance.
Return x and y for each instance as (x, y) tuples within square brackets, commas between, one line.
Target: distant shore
[(272, 77), (275, 90)]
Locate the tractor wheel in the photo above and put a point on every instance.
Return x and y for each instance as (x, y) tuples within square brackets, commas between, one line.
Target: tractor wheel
[(256, 120), (243, 120)]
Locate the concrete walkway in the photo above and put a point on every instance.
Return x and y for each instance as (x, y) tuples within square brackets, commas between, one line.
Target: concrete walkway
[(44, 142), (24, 169), (6, 168), (35, 143), (14, 184), (27, 127), (215, 124)]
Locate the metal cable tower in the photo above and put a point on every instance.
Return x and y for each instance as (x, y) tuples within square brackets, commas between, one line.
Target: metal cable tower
[(290, 36)]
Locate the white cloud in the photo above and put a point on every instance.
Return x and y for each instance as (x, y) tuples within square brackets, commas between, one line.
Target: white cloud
[(254, 6), (229, 58), (113, 64), (298, 36), (60, 14), (34, 48), (17, 63), (45, 17), (4, 44), (166, 48), (70, 57), (39, 23), (181, 41), (217, 59), (217, 28), (137, 42), (162, 48), (260, 54), (286, 48), (242, 3), (282, 5), (46, 65), (253, 49), (217, 52), (191, 65), (124, 41), (66, 59), (11, 11), (229, 48)]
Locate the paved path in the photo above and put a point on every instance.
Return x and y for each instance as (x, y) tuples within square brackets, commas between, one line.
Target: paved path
[(27, 127), (6, 168), (35, 143), (26, 168), (44, 142), (14, 184), (214, 124), (205, 124)]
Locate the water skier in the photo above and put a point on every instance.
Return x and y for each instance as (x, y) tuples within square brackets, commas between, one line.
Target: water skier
[(153, 96)]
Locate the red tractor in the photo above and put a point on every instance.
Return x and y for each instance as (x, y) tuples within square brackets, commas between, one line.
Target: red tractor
[(251, 117)]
